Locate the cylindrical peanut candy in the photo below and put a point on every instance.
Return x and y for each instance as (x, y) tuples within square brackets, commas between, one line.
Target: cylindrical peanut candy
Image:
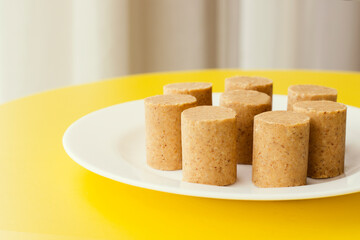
[(281, 141), (259, 84), (202, 91), (163, 129), (247, 104), (308, 92), (209, 145), (327, 137)]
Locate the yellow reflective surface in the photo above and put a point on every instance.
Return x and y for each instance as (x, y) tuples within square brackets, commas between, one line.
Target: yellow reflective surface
[(44, 193)]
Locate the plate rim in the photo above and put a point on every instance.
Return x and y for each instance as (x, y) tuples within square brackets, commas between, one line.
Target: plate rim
[(194, 193)]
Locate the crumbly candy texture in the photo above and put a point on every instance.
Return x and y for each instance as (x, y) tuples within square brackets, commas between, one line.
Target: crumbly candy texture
[(280, 153), (209, 145), (246, 104), (202, 91), (163, 130), (306, 92), (259, 84), (327, 137)]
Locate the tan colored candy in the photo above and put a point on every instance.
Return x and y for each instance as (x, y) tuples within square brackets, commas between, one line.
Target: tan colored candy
[(163, 129), (247, 104), (327, 137), (281, 141), (259, 84), (308, 92), (209, 145), (202, 91)]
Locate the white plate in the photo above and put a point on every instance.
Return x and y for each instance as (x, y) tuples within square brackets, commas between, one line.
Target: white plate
[(111, 143)]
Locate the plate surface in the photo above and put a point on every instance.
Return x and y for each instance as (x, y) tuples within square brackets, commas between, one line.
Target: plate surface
[(111, 143)]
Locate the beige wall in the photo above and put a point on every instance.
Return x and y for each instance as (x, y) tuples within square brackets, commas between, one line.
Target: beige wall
[(35, 46), (307, 34), (49, 44)]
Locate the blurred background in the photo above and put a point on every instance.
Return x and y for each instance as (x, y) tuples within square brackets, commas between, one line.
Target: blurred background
[(46, 44)]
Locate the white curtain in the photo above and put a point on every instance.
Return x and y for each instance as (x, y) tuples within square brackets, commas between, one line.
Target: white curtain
[(48, 44), (306, 34)]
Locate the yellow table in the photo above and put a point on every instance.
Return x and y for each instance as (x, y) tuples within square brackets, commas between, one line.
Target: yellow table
[(45, 195)]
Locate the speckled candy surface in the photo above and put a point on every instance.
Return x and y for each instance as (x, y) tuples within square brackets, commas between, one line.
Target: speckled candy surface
[(246, 104), (209, 145), (163, 129), (308, 92), (280, 154), (260, 84), (202, 91), (327, 137)]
